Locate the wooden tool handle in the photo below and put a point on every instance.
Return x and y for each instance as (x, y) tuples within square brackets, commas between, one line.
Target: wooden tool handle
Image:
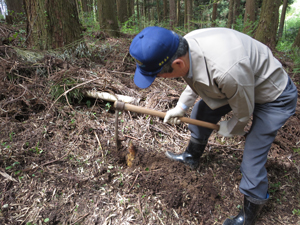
[(138, 109)]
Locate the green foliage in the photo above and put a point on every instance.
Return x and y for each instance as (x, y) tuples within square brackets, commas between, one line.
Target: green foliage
[(292, 52), (291, 24), (284, 46), (88, 103), (296, 59), (130, 27), (291, 28), (36, 149), (60, 88), (107, 106), (134, 26), (17, 37), (274, 187), (11, 166), (29, 223), (296, 212), (19, 18), (11, 136), (88, 20), (5, 145), (240, 25)]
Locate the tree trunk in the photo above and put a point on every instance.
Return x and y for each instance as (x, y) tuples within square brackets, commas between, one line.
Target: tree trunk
[(129, 10), (158, 10), (87, 6), (79, 9), (148, 10), (15, 11), (107, 17), (51, 23), (282, 18), (214, 14), (268, 23), (132, 7), (185, 14), (122, 11), (188, 12), (172, 13), (236, 10), (178, 14), (95, 10), (144, 8), (249, 17), (152, 11), (258, 6), (138, 11), (230, 14), (165, 9), (297, 40)]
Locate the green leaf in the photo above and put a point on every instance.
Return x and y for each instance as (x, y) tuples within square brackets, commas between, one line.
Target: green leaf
[(15, 163)]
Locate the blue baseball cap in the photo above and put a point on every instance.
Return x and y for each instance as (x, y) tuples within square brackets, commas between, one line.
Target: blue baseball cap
[(152, 48)]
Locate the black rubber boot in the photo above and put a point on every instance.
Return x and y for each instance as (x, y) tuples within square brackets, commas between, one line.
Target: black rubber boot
[(249, 213), (192, 154)]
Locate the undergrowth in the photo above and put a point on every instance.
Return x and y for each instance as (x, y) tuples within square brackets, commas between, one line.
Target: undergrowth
[(58, 89)]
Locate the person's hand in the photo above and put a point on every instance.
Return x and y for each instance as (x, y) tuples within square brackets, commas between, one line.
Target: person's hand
[(172, 116), (224, 130)]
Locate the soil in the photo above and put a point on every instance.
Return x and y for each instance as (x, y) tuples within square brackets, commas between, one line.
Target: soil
[(60, 164)]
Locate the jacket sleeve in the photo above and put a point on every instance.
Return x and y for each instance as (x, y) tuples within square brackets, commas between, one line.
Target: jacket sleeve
[(238, 85), (188, 97)]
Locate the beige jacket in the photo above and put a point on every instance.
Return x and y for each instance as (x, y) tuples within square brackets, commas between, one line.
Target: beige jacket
[(229, 67)]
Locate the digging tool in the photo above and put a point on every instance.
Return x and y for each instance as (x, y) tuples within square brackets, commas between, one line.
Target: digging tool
[(138, 109)]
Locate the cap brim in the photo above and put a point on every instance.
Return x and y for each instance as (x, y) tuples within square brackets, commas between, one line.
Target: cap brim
[(143, 81)]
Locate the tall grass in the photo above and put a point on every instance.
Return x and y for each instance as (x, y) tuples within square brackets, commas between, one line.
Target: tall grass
[(291, 27)]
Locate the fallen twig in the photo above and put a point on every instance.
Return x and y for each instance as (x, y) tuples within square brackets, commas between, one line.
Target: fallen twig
[(16, 98), (67, 98), (100, 146), (116, 129), (140, 207), (7, 176), (130, 137), (158, 217), (133, 183), (80, 218)]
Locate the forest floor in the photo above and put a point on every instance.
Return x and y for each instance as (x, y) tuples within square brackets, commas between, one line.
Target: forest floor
[(59, 163)]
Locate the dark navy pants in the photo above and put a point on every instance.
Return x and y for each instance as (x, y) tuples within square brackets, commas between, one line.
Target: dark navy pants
[(267, 119)]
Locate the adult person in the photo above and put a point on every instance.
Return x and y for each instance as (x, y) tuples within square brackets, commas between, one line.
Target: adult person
[(230, 71)]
